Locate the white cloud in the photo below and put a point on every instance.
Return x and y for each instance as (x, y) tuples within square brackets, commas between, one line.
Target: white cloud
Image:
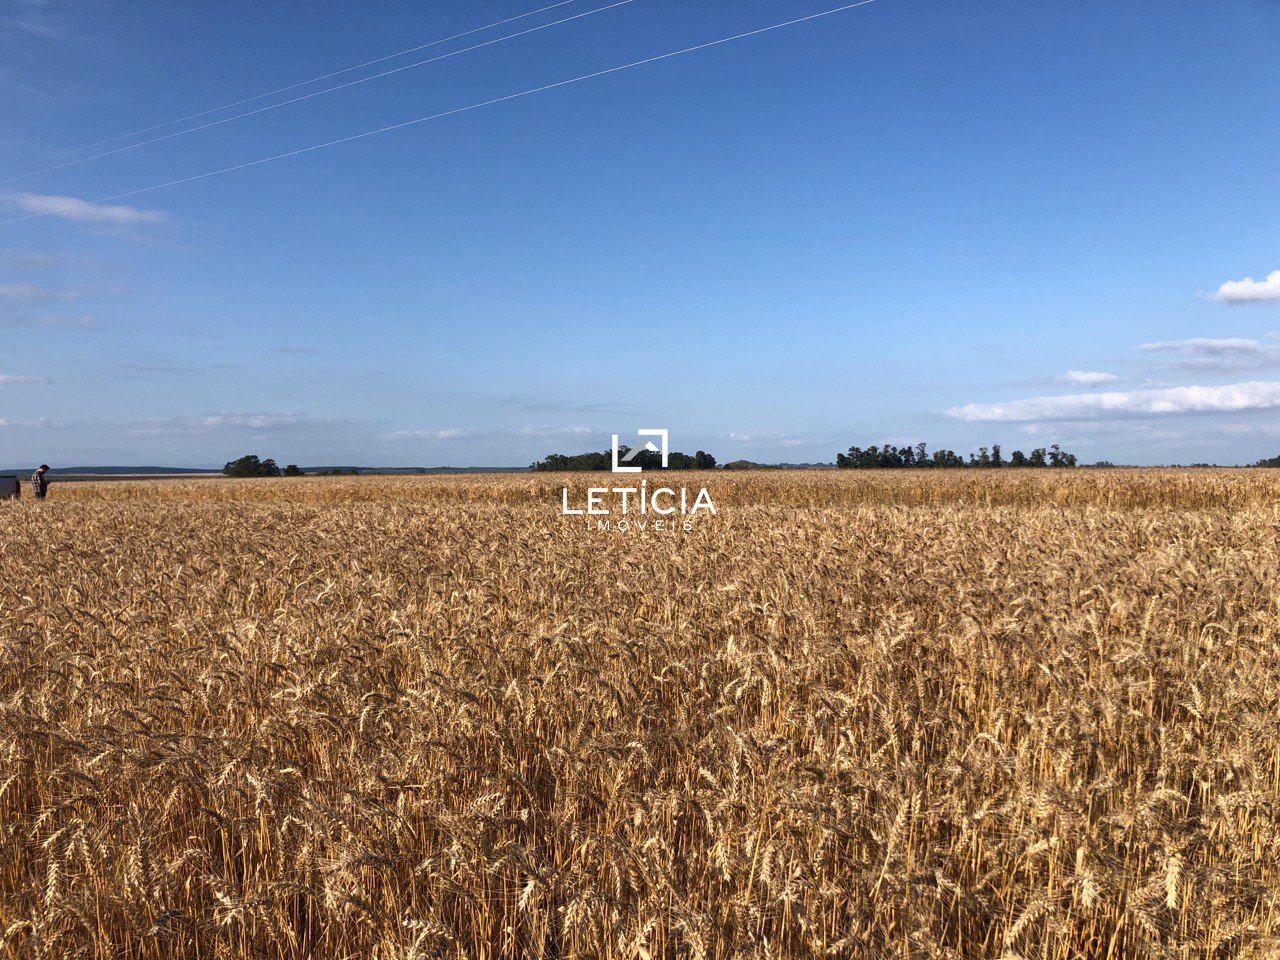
[(253, 421), (30, 293), (460, 433), (1127, 404), (38, 424), (455, 433), (1227, 353), (82, 211), (775, 439), (1250, 290), (8, 378), (555, 431), (1088, 378), (277, 423), (1224, 346)]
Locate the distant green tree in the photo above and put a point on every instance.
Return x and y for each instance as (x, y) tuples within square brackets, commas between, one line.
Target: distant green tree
[(1019, 459), (250, 466), (292, 471), (1060, 458), (645, 459), (1037, 458)]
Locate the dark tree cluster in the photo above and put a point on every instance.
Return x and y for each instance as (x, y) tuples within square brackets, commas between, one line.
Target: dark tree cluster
[(891, 457), (1269, 462), (250, 466), (646, 459)]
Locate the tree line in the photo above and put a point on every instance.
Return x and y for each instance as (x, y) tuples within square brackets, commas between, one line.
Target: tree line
[(891, 457), (251, 466), (645, 459)]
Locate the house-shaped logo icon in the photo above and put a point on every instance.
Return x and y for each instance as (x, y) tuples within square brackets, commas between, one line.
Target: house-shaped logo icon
[(623, 464)]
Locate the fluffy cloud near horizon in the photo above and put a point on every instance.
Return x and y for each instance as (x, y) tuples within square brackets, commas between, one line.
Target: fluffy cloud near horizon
[(1088, 378), (1250, 290), (1127, 404), (81, 211), (8, 378), (460, 433)]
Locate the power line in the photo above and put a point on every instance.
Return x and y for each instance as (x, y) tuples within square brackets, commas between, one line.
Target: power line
[(292, 86), (457, 110), (317, 93)]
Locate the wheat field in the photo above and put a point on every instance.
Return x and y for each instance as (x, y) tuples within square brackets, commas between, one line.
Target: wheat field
[(958, 714)]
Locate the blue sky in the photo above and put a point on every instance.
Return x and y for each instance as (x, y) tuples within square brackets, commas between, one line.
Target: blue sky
[(956, 223)]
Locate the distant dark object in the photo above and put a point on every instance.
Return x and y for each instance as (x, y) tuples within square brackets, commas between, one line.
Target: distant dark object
[(1267, 462), (292, 471), (250, 466), (10, 487), (891, 457)]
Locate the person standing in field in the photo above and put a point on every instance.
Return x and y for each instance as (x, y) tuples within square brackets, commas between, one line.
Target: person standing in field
[(40, 482)]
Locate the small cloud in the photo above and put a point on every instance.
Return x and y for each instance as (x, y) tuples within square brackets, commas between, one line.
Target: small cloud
[(1088, 378), (28, 293), (539, 406), (164, 369), (253, 421), (8, 378), (775, 439), (82, 211), (1250, 290), (298, 351), (1127, 404), (37, 424), (554, 431), (456, 433)]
